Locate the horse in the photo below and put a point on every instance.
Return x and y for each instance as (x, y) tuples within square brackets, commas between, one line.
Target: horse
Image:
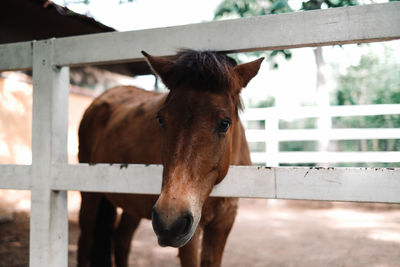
[(194, 131)]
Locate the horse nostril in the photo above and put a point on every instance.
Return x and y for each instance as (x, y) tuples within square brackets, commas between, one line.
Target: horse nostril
[(189, 223), (178, 228), (183, 225)]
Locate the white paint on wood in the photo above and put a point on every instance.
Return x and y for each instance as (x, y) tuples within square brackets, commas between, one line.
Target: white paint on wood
[(48, 218), (313, 112), (359, 24), (273, 135), (109, 178), (247, 181), (329, 157), (349, 184), (15, 177), (332, 134), (339, 184), (16, 56), (367, 23)]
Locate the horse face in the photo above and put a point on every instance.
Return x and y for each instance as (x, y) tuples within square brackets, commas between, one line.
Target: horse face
[(197, 127), (197, 140)]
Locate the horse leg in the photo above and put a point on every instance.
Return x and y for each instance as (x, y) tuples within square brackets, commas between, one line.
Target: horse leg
[(122, 238), (103, 233), (96, 219), (214, 238), (189, 253), (89, 206)]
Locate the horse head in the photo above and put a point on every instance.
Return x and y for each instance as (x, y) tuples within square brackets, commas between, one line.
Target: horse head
[(198, 119)]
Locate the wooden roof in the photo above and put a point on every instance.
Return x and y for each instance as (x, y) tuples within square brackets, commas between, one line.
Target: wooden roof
[(25, 20)]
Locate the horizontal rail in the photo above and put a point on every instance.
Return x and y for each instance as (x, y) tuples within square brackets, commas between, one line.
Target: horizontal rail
[(314, 112), (109, 178), (300, 29), (367, 23), (339, 184), (342, 184), (335, 184), (15, 177), (328, 157), (16, 56), (332, 134)]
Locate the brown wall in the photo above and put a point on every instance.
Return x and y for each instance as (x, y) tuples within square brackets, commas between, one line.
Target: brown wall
[(16, 120), (16, 134)]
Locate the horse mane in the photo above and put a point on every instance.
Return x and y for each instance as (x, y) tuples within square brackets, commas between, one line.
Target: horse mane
[(204, 70)]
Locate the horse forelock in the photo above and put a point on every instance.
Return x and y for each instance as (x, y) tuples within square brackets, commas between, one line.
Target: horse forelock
[(204, 70), (207, 71)]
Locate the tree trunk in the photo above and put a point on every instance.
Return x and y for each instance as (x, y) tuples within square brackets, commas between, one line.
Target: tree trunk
[(324, 121)]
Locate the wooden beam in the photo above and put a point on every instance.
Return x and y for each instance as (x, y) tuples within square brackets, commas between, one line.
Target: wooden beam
[(336, 184), (15, 177), (367, 23), (359, 24), (339, 184), (48, 217), (16, 56), (329, 157), (332, 134)]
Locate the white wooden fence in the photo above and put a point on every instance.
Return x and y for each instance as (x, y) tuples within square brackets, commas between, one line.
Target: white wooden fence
[(272, 135), (49, 176)]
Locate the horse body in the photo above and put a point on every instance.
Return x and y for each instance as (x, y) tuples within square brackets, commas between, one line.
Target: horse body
[(197, 136)]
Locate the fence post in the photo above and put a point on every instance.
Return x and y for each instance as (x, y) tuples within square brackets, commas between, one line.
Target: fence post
[(272, 140), (48, 219)]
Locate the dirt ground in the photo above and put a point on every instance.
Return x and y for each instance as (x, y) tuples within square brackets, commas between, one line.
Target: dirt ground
[(266, 233)]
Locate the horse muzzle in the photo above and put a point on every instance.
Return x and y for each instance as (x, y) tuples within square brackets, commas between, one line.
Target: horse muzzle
[(174, 232)]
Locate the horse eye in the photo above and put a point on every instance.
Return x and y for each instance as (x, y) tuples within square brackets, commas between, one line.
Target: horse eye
[(161, 121), (223, 126)]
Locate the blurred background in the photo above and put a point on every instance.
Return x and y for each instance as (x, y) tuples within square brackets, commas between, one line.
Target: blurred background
[(331, 106)]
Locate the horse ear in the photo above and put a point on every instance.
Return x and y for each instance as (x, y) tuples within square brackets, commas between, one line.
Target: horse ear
[(247, 71), (161, 66)]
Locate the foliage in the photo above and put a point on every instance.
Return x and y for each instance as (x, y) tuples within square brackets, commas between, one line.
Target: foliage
[(373, 81), (318, 4), (266, 103), (250, 8)]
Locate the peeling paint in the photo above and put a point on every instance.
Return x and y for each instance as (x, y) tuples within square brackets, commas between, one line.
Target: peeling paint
[(264, 168), (122, 166), (305, 175)]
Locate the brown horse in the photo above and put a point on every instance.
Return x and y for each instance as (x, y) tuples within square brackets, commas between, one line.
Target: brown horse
[(194, 131)]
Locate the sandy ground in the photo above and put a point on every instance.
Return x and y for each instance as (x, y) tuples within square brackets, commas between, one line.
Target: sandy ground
[(279, 233)]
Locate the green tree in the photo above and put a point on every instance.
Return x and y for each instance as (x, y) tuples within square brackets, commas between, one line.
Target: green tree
[(245, 8), (249, 8), (375, 80)]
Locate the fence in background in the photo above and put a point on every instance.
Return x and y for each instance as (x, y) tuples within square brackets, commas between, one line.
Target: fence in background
[(272, 135), (49, 177)]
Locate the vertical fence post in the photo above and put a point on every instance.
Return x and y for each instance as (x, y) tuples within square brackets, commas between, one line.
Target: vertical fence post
[(272, 140), (48, 221)]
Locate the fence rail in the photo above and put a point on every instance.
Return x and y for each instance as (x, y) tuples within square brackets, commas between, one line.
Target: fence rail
[(333, 134), (361, 24), (49, 176), (272, 135)]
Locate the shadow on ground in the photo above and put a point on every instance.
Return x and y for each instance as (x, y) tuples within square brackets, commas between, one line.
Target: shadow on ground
[(266, 233)]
